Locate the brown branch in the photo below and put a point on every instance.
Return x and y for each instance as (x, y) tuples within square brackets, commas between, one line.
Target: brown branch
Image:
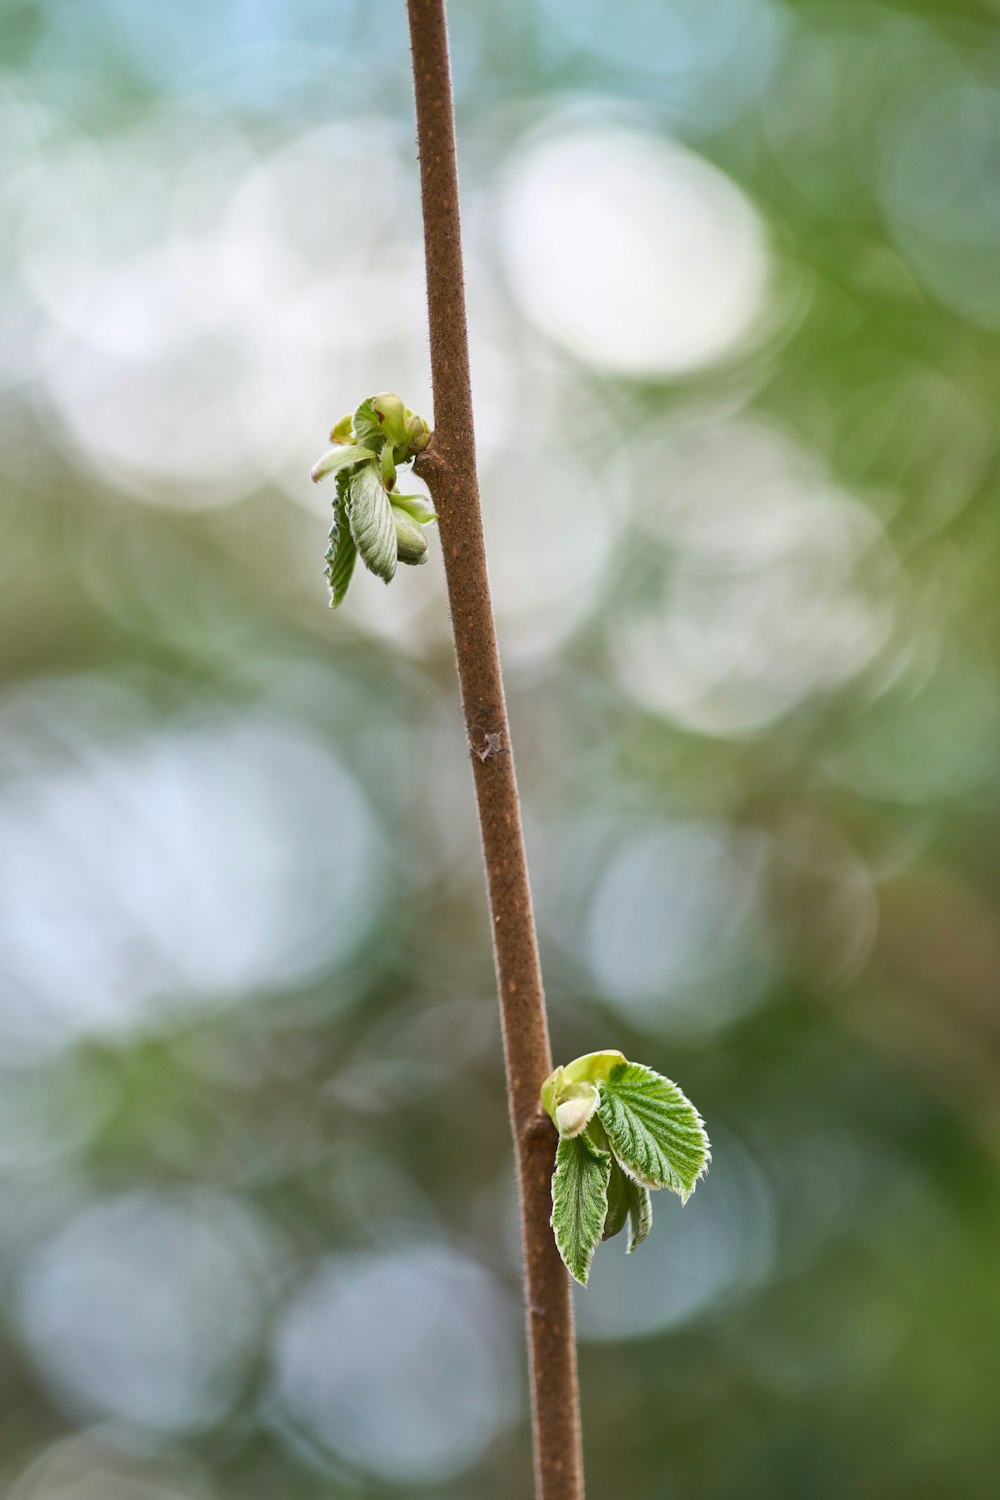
[(449, 468)]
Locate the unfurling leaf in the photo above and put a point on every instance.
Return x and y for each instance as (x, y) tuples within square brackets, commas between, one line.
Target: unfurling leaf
[(640, 1213), (372, 522), (339, 458), (627, 1200), (366, 425), (654, 1130), (411, 544), (415, 506), (593, 1067), (579, 1202), (341, 556), (342, 553)]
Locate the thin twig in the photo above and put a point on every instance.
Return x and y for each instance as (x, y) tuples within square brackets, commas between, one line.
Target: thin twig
[(449, 468)]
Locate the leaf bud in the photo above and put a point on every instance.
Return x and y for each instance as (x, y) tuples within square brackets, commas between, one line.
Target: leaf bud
[(391, 416), (418, 434), (576, 1109)]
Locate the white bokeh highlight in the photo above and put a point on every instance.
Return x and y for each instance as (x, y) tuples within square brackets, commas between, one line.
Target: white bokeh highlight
[(770, 585), (109, 1462), (697, 1259), (676, 936), (147, 1308), (400, 1363), (148, 870), (630, 251), (195, 292)]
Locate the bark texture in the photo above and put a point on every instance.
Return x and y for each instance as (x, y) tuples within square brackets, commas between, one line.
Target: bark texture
[(449, 468)]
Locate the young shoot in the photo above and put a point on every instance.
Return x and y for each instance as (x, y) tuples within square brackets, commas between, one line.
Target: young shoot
[(623, 1131), (370, 518)]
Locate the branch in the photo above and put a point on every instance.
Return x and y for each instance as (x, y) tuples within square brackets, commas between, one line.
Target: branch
[(449, 468)]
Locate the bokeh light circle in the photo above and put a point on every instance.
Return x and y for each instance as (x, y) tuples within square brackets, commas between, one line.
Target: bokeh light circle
[(147, 1307), (636, 255), (399, 1362)]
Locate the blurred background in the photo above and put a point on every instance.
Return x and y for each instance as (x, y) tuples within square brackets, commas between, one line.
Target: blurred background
[(734, 312)]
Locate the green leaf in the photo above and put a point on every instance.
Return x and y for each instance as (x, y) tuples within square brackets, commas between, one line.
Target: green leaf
[(655, 1131), (342, 552), (372, 523), (579, 1202), (618, 1202), (593, 1067), (627, 1200), (411, 544), (339, 458), (415, 506), (640, 1213)]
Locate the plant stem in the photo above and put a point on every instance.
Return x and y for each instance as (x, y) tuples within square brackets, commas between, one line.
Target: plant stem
[(449, 468)]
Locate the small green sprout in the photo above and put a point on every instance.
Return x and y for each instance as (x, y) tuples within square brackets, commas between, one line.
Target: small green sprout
[(370, 519), (623, 1130)]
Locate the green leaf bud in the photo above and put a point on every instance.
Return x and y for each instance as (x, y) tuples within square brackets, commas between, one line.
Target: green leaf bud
[(368, 445), (418, 434), (391, 415), (576, 1108), (594, 1067)]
